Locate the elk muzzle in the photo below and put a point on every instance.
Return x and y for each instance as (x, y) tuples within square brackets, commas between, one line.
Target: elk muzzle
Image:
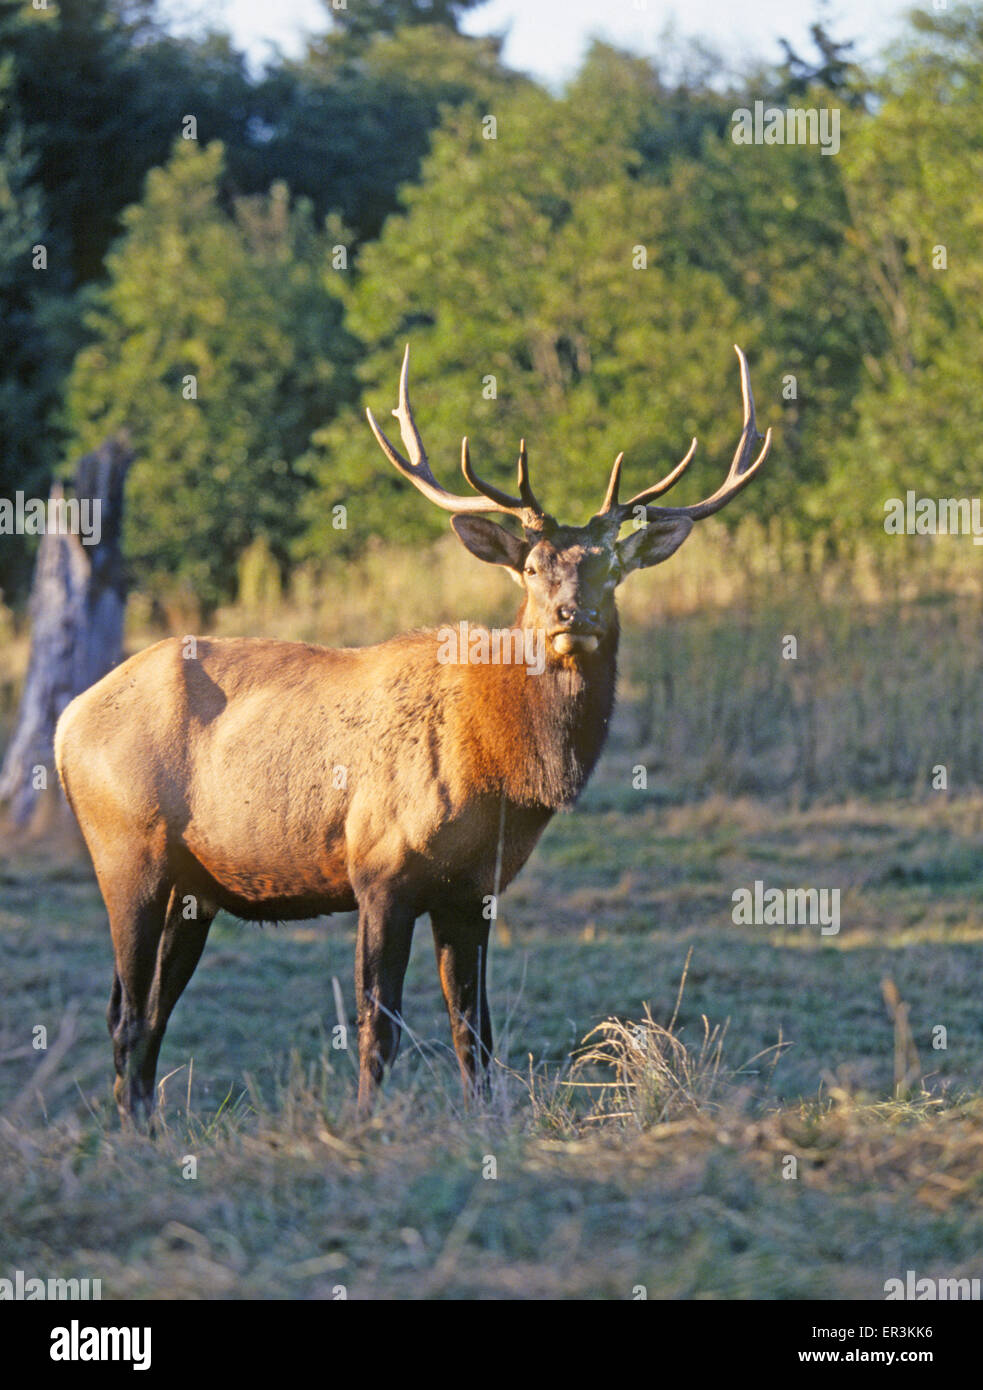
[(579, 633)]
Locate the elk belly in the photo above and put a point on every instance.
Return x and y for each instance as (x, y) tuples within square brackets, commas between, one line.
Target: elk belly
[(567, 642)]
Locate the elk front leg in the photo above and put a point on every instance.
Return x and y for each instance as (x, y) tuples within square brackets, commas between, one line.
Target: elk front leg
[(461, 941), (382, 950)]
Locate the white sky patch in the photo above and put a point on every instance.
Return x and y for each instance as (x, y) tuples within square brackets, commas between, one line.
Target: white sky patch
[(548, 37)]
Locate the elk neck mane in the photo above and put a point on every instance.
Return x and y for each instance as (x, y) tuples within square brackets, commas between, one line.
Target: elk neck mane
[(537, 738)]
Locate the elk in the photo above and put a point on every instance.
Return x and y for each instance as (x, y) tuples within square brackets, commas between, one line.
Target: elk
[(204, 773)]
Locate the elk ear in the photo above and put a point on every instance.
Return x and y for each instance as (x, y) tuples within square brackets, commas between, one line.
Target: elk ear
[(490, 542), (652, 544)]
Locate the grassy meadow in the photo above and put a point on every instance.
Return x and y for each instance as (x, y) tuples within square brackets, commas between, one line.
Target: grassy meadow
[(658, 1065)]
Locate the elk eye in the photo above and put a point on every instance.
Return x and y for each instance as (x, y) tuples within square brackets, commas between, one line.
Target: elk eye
[(530, 569)]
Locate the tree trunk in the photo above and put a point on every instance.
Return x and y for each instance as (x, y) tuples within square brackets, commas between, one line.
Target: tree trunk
[(78, 597)]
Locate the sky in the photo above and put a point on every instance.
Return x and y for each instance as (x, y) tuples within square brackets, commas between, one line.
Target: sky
[(548, 37)]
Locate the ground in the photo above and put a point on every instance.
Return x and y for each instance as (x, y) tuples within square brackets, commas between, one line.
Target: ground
[(679, 1184)]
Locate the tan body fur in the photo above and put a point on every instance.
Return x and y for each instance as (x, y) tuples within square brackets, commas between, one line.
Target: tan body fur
[(277, 775), (279, 781)]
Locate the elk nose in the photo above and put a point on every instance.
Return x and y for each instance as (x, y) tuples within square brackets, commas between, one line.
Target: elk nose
[(570, 612)]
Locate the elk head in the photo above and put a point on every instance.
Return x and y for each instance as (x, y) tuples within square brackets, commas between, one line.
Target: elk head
[(570, 573)]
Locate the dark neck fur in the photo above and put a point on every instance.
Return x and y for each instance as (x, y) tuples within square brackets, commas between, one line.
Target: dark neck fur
[(566, 717)]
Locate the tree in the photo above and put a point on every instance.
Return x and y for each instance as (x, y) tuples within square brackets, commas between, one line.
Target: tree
[(92, 95), (33, 353), (916, 228), (517, 271), (834, 69), (77, 604), (664, 108), (366, 18), (217, 343), (348, 126), (103, 91), (771, 221)]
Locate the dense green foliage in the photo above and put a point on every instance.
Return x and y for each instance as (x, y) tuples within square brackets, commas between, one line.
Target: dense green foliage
[(218, 344), (573, 267)]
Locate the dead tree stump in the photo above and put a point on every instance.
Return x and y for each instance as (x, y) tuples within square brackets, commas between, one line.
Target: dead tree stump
[(76, 607)]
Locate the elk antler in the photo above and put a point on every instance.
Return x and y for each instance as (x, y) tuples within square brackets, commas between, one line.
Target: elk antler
[(525, 507), (741, 471)]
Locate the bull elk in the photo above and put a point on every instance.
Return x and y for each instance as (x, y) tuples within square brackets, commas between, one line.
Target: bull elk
[(212, 780)]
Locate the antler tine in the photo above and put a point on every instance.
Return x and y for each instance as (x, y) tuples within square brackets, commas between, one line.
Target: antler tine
[(404, 414), (503, 499), (740, 473), (741, 470), (668, 481), (418, 470), (611, 507), (611, 504), (529, 498)]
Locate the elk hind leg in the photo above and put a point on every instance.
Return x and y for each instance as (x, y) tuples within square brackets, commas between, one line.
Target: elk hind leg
[(156, 953), (182, 941), (137, 923)]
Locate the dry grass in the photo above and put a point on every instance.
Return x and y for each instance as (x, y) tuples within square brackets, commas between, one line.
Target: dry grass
[(633, 1143), (644, 1073), (670, 1172), (293, 1197)]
